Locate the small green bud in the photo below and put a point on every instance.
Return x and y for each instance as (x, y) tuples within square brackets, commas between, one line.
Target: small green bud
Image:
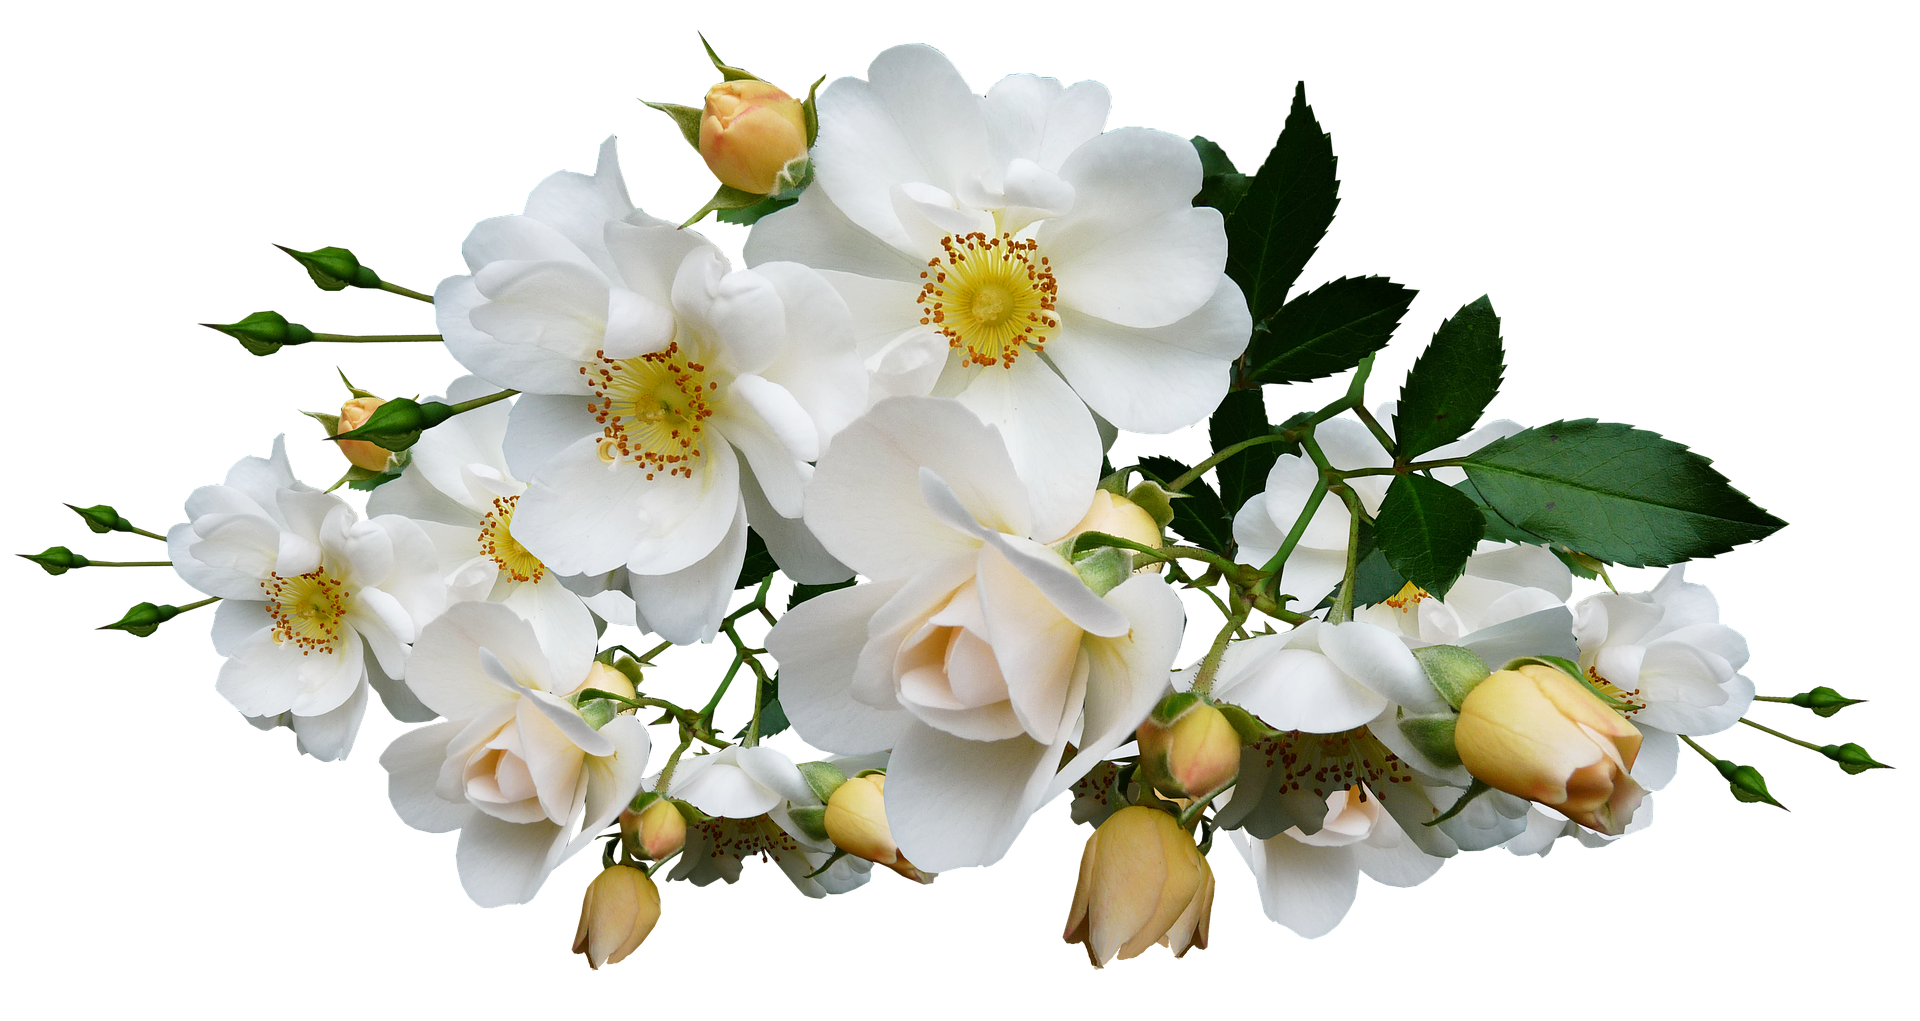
[(1824, 701), (334, 268), (57, 560), (823, 777), (1852, 758), (102, 518), (263, 333), (1746, 783), (143, 619), (398, 423)]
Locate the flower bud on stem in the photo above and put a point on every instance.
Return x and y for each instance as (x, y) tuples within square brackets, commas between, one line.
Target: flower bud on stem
[(145, 618), (1745, 781), (1851, 757), (58, 560), (103, 519)]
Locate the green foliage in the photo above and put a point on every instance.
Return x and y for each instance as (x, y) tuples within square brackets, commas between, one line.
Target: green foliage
[(1221, 186), (1452, 383), (773, 718), (1852, 758), (1374, 579), (263, 333), (56, 560), (1198, 516), (1746, 783), (397, 424), (758, 564), (1326, 330), (143, 619), (1427, 530), (1288, 205), (102, 519), (1824, 701), (334, 268), (1618, 494), (1242, 415), (803, 592)]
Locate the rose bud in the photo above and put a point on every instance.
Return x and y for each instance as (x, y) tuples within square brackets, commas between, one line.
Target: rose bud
[(621, 907), (1142, 881), (362, 454), (1187, 748), (1539, 734), (857, 824), (748, 131), (657, 831), (1117, 515)]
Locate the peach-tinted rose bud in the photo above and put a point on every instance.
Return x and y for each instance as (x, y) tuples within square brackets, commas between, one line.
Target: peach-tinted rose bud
[(657, 831), (360, 453), (1192, 756), (857, 824), (605, 678), (1142, 881), (1539, 734), (748, 131), (1117, 515), (620, 908)]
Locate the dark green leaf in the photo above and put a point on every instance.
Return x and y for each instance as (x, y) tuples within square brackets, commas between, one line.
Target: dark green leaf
[(1221, 186), (1375, 580), (1327, 330), (1452, 383), (1499, 529), (1285, 212), (1618, 494), (758, 563), (773, 718), (1242, 415), (1427, 530), (803, 592)]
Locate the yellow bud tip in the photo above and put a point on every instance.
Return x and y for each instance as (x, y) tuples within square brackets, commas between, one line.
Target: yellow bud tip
[(1539, 734), (856, 821), (621, 907), (1142, 881), (748, 131)]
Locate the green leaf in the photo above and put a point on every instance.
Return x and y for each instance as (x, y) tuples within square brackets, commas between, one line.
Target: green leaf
[(1499, 529), (1427, 530), (773, 718), (804, 592), (1198, 517), (758, 563), (1327, 330), (1242, 415), (1221, 186), (371, 481), (1285, 212), (1615, 493), (1375, 580), (1452, 382)]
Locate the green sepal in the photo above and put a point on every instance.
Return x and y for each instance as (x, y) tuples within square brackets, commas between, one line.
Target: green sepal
[(811, 110), (1452, 670), (687, 118), (331, 423), (812, 820), (1852, 758), (1104, 568), (1746, 783), (629, 668), (397, 424), (334, 268), (1824, 701), (1155, 499), (57, 560), (1433, 736), (692, 815), (585, 695), (724, 198), (825, 865), (263, 333), (143, 619), (1175, 705), (366, 480), (351, 389), (102, 518), (1116, 482), (727, 73), (792, 179), (1200, 517), (1249, 726), (597, 711), (823, 778), (1478, 788), (642, 800)]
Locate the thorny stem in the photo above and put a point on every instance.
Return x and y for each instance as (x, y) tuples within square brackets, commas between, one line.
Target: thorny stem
[(1203, 679)]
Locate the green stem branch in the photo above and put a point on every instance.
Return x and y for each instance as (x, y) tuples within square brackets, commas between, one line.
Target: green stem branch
[(405, 292)]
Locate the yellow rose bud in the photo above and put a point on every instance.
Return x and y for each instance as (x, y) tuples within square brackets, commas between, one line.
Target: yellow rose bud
[(748, 131), (856, 822), (620, 908), (1194, 756), (657, 831), (1538, 734), (360, 453), (1142, 881), (605, 678), (1117, 515)]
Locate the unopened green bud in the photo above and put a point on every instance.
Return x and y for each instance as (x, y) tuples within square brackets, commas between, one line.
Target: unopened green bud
[(263, 333), (397, 424), (1452, 670), (143, 620), (1746, 783), (1824, 701), (57, 560), (1852, 758), (103, 519), (334, 268)]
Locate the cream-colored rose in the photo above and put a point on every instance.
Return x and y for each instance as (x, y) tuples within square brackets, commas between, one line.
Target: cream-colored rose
[(1142, 881), (1191, 756), (1539, 734), (856, 821), (622, 905), (748, 131)]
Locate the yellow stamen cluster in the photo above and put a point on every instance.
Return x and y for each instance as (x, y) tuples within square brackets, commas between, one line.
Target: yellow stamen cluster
[(306, 609), (498, 544), (992, 297), (1631, 697), (1408, 597), (651, 409)]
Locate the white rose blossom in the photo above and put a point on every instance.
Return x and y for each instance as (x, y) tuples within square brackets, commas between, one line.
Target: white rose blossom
[(990, 246), (665, 401), (974, 651), (749, 793), (514, 766), (315, 601), (1307, 881)]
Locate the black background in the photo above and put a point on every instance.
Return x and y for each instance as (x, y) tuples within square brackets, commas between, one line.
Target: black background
[(1625, 210)]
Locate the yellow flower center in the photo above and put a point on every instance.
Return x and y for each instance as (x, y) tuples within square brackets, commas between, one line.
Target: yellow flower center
[(991, 297), (1630, 699), (1325, 763), (497, 543), (651, 409), (1408, 597), (306, 609)]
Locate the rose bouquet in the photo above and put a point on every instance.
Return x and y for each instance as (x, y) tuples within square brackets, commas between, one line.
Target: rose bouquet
[(873, 463)]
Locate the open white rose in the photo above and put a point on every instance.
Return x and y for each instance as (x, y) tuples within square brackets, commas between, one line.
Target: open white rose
[(1307, 881), (975, 652), (514, 766)]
